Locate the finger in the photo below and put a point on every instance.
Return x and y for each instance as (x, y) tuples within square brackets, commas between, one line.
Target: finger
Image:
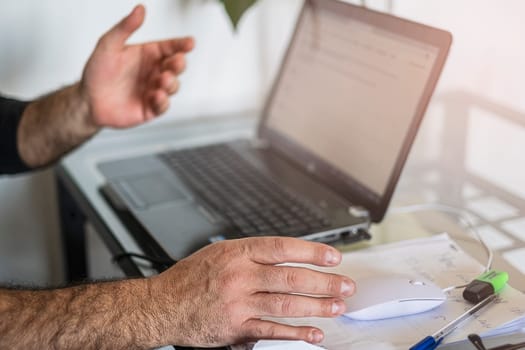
[(175, 64), (284, 279), (159, 103), (169, 83), (259, 329), (119, 34), (172, 46), (277, 250), (289, 305)]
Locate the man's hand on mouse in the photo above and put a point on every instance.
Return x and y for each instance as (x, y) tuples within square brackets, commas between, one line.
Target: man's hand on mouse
[(220, 294)]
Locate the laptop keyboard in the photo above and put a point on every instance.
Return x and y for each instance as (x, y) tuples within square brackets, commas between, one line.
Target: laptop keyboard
[(254, 204)]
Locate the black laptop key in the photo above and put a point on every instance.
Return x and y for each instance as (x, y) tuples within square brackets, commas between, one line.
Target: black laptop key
[(252, 203)]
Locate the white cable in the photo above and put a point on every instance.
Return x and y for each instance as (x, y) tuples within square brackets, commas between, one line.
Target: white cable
[(464, 217)]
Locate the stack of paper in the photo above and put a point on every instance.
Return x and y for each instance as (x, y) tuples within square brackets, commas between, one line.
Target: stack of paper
[(438, 259)]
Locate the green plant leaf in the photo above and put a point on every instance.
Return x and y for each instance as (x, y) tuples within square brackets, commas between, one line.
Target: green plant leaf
[(236, 8)]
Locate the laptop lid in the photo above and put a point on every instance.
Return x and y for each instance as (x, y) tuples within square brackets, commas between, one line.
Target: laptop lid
[(350, 95)]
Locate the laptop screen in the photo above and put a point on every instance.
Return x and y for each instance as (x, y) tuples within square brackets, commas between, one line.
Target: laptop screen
[(349, 92)]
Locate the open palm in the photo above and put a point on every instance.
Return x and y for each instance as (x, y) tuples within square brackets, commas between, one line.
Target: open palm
[(129, 84)]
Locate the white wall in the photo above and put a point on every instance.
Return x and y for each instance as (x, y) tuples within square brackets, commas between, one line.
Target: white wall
[(486, 60), (488, 51), (44, 45)]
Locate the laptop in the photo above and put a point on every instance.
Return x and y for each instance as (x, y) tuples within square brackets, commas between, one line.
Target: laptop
[(331, 142)]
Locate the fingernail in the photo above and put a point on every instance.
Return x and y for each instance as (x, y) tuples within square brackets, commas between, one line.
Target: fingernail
[(316, 336), (337, 307), (332, 257), (347, 288)]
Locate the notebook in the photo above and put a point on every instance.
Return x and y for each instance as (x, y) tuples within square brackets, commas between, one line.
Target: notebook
[(332, 140)]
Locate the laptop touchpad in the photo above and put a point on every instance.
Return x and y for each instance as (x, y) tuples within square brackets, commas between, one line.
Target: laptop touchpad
[(150, 190)]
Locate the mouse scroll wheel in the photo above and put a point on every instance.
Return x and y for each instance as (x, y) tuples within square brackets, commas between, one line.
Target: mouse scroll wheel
[(416, 283)]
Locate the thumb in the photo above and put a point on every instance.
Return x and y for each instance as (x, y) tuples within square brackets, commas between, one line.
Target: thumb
[(119, 34)]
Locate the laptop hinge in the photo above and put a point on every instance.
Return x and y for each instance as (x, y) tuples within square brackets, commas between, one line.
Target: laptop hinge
[(359, 212)]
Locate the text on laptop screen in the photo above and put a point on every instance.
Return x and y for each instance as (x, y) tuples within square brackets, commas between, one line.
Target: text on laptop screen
[(348, 93)]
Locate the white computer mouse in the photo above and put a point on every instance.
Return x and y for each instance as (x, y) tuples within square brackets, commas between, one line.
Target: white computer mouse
[(382, 297)]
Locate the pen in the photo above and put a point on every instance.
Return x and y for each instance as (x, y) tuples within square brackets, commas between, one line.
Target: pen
[(432, 341)]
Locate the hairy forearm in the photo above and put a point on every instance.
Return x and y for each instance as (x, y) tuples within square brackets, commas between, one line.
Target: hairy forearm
[(53, 125), (109, 315)]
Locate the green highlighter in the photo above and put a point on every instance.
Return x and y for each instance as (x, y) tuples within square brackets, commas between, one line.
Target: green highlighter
[(490, 282)]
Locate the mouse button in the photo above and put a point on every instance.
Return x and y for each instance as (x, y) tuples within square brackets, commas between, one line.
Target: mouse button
[(427, 291), (362, 300), (395, 288), (371, 291), (370, 294), (415, 288), (417, 282)]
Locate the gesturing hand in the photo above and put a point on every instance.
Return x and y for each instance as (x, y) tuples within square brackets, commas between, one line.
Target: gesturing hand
[(126, 85), (221, 294)]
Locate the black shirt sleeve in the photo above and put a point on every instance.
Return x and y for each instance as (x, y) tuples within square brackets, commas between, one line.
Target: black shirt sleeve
[(10, 115)]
